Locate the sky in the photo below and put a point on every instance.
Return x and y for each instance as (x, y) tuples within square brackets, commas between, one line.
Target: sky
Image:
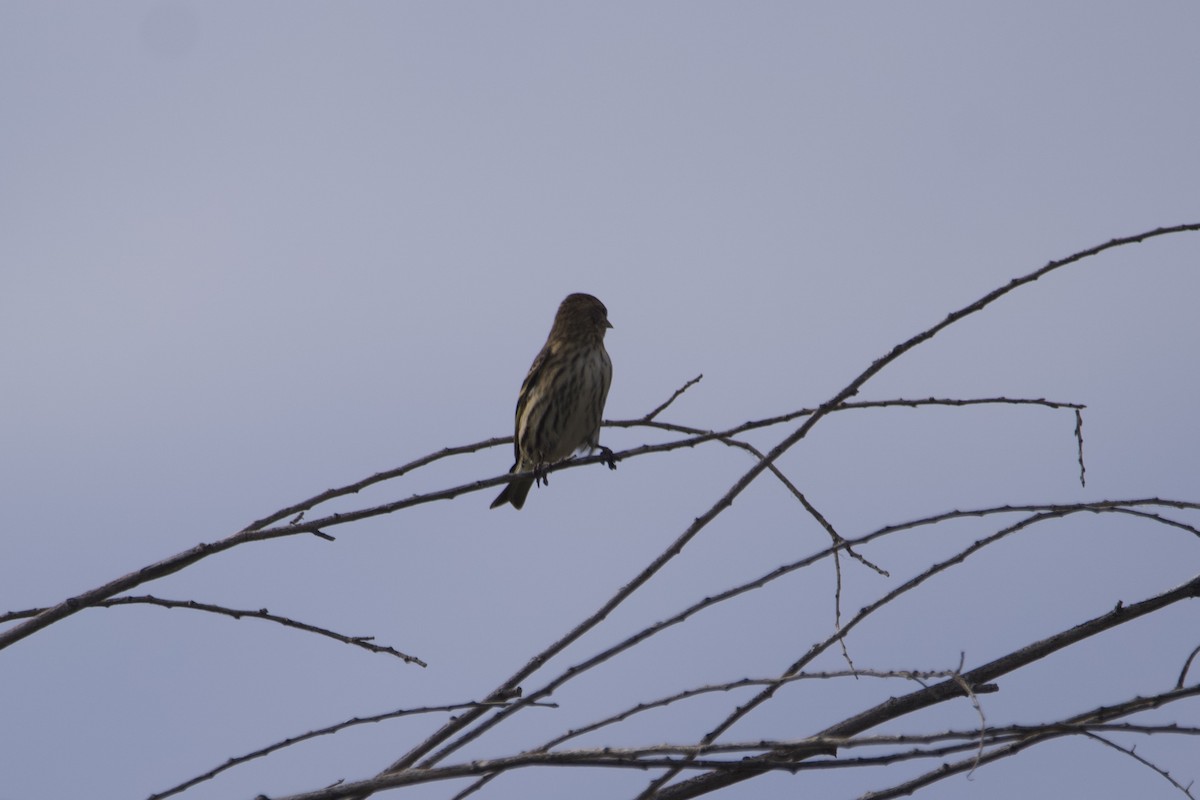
[(250, 251)]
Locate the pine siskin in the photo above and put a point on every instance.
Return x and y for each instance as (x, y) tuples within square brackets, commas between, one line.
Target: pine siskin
[(562, 398)]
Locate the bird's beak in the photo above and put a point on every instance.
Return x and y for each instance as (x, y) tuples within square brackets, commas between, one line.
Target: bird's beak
[(607, 324)]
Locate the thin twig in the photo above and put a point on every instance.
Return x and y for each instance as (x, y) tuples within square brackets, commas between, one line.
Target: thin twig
[(817, 649), (1076, 724), (1187, 664), (855, 385), (918, 676), (260, 530), (672, 398), (1186, 790), (1037, 514), (780, 755), (894, 708), (304, 737), (969, 691), (1079, 442), (365, 642)]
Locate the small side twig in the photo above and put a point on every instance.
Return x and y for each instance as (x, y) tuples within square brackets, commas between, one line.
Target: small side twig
[(1129, 751), (969, 691), (1079, 443), (672, 398), (1186, 666)]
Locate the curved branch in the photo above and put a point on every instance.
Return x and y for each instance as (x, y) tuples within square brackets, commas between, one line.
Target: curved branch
[(260, 530), (365, 642)]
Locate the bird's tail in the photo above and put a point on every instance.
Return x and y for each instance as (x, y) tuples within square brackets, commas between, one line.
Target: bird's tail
[(514, 493)]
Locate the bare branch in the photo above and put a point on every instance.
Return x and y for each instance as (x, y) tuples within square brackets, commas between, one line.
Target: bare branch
[(911, 675), (1185, 790), (260, 530), (781, 754), (672, 398), (423, 762), (379, 477), (365, 642), (1187, 664), (901, 706), (1080, 723), (341, 726), (817, 649), (1079, 442), (1040, 513)]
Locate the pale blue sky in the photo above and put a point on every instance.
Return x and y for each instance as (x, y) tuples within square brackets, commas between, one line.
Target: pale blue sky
[(253, 250)]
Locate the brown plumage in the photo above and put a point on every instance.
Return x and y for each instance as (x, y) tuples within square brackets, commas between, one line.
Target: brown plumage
[(562, 399)]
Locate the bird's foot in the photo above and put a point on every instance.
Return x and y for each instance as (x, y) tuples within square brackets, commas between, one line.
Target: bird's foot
[(608, 457)]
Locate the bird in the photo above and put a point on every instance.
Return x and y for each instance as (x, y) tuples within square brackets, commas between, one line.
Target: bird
[(562, 398)]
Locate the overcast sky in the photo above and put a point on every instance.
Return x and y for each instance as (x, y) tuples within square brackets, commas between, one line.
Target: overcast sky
[(252, 250)]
